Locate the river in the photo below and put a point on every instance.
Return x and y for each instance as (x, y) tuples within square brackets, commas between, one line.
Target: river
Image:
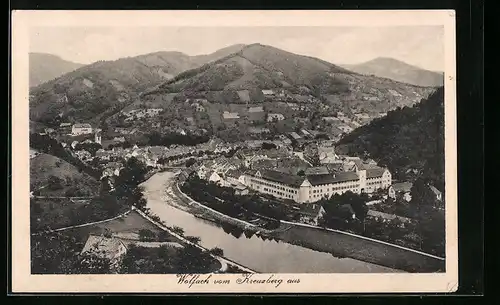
[(265, 256)]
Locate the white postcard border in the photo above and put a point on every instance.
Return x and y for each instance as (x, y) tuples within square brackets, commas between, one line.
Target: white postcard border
[(24, 282)]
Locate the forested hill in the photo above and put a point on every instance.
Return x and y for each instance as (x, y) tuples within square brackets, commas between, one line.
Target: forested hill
[(409, 141)]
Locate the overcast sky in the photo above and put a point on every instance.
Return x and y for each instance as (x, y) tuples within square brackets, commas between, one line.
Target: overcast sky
[(421, 46)]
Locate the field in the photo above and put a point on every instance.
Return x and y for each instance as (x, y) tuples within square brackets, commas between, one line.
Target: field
[(43, 166), (141, 257), (131, 223), (55, 213)]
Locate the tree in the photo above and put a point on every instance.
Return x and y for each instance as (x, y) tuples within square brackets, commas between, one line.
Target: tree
[(58, 253), (301, 173), (130, 176), (217, 251), (177, 230), (190, 162), (146, 235), (193, 239), (109, 204), (164, 236), (267, 145), (421, 194)]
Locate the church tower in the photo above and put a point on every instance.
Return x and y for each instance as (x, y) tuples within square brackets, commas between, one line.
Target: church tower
[(98, 137)]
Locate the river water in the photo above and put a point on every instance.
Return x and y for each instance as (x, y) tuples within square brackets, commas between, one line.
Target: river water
[(266, 256)]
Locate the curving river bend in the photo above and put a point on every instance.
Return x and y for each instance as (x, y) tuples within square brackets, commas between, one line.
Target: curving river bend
[(266, 256)]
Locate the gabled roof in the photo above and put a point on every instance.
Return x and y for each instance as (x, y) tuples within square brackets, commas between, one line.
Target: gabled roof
[(103, 246), (335, 167), (375, 172), (280, 177), (359, 164), (387, 216), (156, 149), (235, 173), (402, 186), (311, 209)]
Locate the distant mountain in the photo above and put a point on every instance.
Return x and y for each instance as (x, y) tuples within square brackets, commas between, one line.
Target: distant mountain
[(98, 90), (44, 67), (202, 59), (256, 67), (409, 140), (398, 71)]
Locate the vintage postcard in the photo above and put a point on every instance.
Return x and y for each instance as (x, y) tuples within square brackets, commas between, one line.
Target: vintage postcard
[(234, 152)]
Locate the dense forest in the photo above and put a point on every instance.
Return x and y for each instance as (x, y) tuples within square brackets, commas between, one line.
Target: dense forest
[(409, 141)]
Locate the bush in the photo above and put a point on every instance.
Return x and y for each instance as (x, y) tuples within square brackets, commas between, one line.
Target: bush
[(163, 236), (177, 230), (193, 239), (146, 235), (216, 251)]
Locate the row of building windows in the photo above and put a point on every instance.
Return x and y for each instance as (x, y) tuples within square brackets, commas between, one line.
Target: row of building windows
[(337, 188), (338, 191), (288, 190), (282, 194)]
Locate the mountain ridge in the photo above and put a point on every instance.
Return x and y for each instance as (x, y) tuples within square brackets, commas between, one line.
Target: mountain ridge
[(101, 89), (398, 70), (408, 140), (44, 67)]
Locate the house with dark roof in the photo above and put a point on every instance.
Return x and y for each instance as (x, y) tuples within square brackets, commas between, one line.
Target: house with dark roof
[(385, 217), (402, 188), (311, 213)]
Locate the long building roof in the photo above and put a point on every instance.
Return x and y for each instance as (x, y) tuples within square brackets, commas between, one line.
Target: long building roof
[(279, 177), (332, 178), (295, 180)]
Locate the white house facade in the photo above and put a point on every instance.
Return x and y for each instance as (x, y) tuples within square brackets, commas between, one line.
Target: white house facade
[(316, 187), (79, 129)]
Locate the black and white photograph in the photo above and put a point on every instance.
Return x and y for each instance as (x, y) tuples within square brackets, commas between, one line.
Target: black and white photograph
[(226, 155)]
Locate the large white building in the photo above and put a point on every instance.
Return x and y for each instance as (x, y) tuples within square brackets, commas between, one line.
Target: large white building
[(315, 187), (79, 129)]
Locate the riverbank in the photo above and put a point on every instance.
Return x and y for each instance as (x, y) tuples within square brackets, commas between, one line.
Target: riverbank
[(264, 254), (225, 262), (338, 243)]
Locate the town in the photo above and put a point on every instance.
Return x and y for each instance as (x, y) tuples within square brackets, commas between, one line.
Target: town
[(230, 164), (301, 173)]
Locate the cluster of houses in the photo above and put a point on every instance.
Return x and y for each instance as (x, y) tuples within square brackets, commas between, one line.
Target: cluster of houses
[(141, 113), (312, 185), (259, 171)]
